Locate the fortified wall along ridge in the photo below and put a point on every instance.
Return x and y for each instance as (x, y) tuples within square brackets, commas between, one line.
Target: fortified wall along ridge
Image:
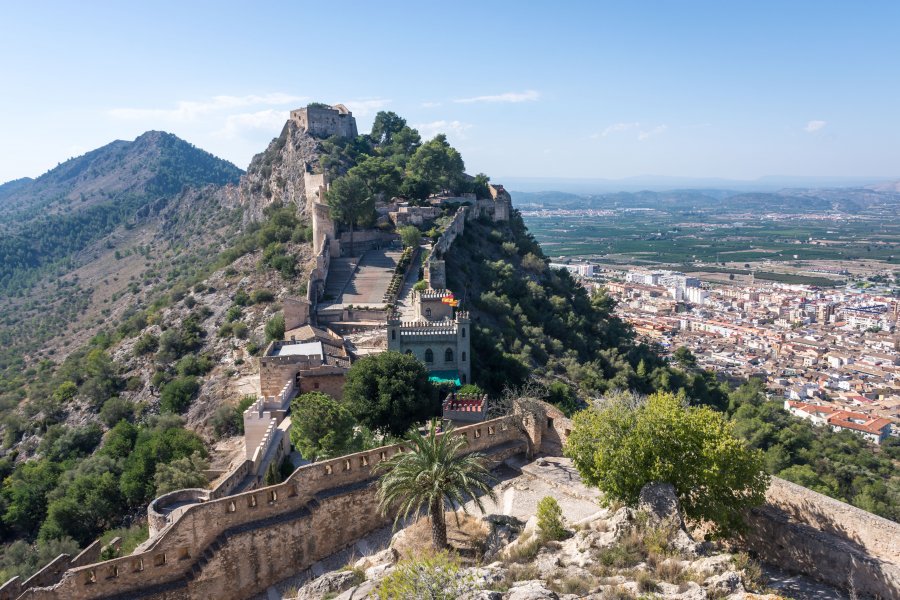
[(236, 539)]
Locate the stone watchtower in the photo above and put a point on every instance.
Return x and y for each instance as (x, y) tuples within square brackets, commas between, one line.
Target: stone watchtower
[(322, 120), (442, 344)]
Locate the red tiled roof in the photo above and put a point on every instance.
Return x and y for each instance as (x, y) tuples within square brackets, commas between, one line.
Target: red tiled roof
[(874, 425)]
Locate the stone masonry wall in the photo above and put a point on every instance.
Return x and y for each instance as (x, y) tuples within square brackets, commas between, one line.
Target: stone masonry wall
[(435, 267), (234, 547), (327, 383), (807, 532)]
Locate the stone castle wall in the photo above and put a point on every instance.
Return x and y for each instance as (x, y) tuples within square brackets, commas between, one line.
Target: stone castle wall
[(234, 547), (435, 267), (798, 529), (806, 532), (323, 122)]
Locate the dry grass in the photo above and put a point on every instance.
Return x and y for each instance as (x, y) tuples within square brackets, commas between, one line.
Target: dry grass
[(525, 549), (572, 585), (645, 582), (466, 535), (667, 570), (752, 571), (617, 593), (520, 572)]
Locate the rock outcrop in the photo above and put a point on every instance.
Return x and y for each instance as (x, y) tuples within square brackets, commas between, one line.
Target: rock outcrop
[(278, 173), (631, 553)]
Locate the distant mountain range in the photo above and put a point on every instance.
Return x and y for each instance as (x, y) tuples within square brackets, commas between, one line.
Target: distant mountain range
[(82, 200), (812, 200), (769, 183)]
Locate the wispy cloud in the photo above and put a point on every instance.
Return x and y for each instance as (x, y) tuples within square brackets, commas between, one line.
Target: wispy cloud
[(643, 135), (512, 97), (189, 110), (237, 124), (615, 128), (644, 131), (457, 128), (431, 104), (814, 126), (364, 108)]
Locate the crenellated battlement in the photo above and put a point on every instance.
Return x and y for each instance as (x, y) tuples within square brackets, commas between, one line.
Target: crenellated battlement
[(202, 550)]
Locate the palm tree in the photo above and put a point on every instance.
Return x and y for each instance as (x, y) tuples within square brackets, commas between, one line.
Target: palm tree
[(433, 472)]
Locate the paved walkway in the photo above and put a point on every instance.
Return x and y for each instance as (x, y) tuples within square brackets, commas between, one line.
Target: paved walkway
[(360, 281), (404, 299)]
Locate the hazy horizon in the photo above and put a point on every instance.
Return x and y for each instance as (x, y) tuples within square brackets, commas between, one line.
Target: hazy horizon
[(579, 90)]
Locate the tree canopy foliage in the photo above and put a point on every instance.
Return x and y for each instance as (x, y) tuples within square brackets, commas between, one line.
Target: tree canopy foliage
[(623, 444), (434, 473), (438, 165), (322, 427), (838, 464), (390, 392)]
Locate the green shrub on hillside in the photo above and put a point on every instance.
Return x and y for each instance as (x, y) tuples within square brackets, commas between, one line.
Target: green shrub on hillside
[(275, 328), (620, 446), (549, 515), (177, 395)]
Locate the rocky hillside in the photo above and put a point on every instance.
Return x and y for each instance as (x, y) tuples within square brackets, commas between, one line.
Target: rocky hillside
[(612, 554), (75, 239), (141, 328), (276, 175)]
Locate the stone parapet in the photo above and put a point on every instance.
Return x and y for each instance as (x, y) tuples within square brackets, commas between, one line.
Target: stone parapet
[(211, 548)]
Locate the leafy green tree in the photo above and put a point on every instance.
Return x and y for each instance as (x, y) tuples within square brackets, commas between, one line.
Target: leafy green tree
[(549, 515), (22, 559), (620, 447), (86, 502), (389, 392), (410, 236), (438, 164), (480, 186), (349, 201), (385, 126), (25, 495), (275, 328), (685, 358), (177, 395), (415, 187), (102, 379), (433, 473), (63, 443), (561, 395), (161, 442), (381, 176), (119, 441), (321, 427), (181, 473)]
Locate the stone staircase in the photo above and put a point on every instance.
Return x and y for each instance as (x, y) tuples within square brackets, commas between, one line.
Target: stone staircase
[(340, 272)]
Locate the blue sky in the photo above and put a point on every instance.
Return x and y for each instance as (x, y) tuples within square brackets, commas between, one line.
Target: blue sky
[(523, 89)]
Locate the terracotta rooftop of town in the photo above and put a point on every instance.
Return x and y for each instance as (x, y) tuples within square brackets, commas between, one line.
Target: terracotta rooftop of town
[(844, 418)]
